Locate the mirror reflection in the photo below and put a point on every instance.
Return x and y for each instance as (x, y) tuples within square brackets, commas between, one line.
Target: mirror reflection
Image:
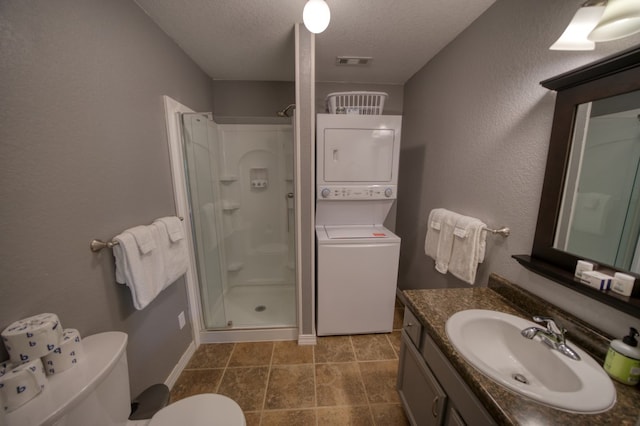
[(600, 211)]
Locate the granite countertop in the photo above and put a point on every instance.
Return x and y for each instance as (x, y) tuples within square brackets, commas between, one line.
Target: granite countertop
[(434, 306)]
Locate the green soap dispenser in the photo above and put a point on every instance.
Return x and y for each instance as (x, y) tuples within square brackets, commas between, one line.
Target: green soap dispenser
[(623, 359)]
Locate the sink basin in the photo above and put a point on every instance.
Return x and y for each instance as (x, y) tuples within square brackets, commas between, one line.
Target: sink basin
[(491, 342)]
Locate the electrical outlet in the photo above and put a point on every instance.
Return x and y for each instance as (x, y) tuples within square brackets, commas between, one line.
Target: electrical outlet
[(181, 320)]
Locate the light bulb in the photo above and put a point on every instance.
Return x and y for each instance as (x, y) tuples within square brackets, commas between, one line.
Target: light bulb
[(316, 16)]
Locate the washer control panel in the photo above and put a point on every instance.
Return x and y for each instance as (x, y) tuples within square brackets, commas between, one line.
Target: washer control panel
[(356, 192)]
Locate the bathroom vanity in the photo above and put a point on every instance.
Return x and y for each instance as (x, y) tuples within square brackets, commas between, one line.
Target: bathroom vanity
[(438, 387)]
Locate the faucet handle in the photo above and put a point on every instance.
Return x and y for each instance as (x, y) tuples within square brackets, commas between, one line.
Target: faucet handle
[(551, 325)]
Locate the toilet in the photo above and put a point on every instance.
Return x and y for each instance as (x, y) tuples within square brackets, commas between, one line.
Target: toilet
[(96, 392)]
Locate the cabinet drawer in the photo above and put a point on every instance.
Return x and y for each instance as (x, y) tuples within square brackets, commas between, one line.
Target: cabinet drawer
[(421, 395), (412, 326)]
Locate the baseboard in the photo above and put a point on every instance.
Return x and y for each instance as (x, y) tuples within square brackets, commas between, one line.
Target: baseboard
[(249, 335), (182, 363), (307, 339)]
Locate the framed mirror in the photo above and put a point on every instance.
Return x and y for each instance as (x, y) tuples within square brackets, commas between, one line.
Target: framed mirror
[(590, 203)]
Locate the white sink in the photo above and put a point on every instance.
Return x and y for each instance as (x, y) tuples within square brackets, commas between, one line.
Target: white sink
[(491, 342)]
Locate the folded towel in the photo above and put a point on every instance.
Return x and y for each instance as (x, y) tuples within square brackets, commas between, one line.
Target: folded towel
[(445, 241), (434, 224), (174, 227), (143, 237), (468, 248), (142, 273), (174, 254)]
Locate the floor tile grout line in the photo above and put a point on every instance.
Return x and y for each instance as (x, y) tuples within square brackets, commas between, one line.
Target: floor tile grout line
[(224, 371), (266, 386)]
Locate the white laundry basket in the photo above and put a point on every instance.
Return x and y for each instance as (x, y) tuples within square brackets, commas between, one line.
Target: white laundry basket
[(359, 103)]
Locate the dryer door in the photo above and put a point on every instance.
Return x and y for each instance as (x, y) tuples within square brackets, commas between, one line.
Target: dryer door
[(358, 155)]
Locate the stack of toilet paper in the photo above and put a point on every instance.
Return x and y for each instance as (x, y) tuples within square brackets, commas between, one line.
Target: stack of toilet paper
[(38, 347)]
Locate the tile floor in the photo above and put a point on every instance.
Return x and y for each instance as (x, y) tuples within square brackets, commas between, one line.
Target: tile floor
[(343, 380)]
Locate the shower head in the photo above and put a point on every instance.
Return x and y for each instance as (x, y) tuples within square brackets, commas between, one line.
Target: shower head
[(285, 112)]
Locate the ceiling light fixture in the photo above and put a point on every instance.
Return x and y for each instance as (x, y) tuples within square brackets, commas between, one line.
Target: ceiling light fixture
[(600, 20), (583, 22), (316, 16), (621, 19)]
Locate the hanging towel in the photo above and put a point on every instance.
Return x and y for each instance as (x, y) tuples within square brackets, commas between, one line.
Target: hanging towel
[(468, 248), (174, 253), (174, 227), (439, 238), (434, 224), (142, 273), (143, 237), (445, 242)]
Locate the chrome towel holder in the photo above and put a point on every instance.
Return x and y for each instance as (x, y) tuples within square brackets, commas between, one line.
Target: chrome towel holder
[(97, 245), (505, 231)]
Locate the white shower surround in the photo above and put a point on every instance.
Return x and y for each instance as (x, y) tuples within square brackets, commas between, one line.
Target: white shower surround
[(256, 174), (173, 109)]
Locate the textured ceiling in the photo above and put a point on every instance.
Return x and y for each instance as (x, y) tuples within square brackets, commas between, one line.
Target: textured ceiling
[(253, 39)]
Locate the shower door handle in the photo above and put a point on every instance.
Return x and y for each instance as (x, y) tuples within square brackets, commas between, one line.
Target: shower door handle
[(288, 197)]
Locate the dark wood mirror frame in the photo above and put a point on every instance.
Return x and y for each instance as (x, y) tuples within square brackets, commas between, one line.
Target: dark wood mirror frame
[(611, 76)]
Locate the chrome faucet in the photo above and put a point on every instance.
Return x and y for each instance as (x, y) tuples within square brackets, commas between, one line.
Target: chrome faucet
[(552, 336)]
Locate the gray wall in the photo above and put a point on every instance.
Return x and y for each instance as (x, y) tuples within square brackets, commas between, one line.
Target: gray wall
[(476, 131), (83, 155), (251, 98)]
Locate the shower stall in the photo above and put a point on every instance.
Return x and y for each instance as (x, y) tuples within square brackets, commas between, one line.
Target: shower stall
[(240, 185)]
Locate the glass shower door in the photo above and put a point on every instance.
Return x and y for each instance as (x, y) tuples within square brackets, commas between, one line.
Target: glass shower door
[(201, 149), (240, 185)]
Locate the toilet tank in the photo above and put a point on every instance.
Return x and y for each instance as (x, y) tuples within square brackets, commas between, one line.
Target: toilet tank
[(94, 392)]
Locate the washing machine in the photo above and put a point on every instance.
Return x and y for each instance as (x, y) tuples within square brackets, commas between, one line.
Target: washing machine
[(357, 257), (357, 273)]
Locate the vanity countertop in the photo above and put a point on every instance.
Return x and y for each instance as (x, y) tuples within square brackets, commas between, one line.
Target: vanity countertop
[(434, 306)]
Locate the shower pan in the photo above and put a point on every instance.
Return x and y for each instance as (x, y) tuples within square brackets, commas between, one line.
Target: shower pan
[(240, 190)]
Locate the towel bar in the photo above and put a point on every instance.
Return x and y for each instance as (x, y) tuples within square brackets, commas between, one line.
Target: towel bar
[(505, 231), (97, 245)]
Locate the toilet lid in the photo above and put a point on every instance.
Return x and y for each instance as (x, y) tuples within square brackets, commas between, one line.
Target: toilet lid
[(200, 410)]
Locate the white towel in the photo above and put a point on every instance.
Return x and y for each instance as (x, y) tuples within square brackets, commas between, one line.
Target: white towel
[(143, 237), (445, 241), (174, 254), (467, 249), (439, 238), (174, 227), (142, 273), (434, 224)]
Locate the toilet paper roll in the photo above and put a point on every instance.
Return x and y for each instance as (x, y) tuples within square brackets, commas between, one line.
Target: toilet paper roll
[(21, 383), (32, 337), (66, 355)]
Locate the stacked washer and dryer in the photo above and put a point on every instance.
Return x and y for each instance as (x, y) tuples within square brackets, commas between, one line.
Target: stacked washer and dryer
[(357, 257)]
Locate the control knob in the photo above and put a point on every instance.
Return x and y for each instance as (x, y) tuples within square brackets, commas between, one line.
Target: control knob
[(388, 192), (325, 192)]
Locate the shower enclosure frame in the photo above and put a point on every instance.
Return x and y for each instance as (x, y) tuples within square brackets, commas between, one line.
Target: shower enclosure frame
[(173, 110)]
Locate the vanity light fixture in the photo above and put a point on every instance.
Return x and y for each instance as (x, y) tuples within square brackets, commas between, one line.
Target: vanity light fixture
[(583, 22), (621, 18), (600, 20), (316, 16)]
